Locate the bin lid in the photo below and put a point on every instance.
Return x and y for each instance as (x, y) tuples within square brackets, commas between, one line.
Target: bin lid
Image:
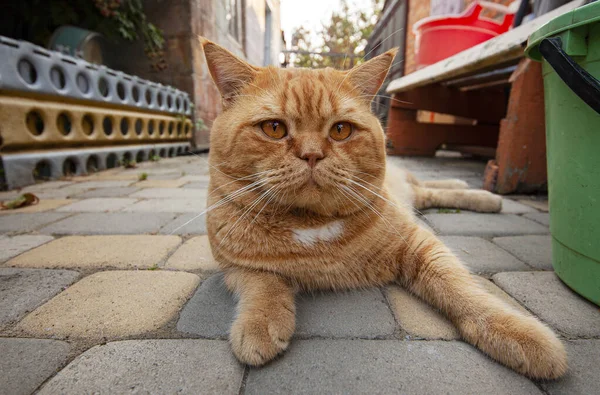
[(583, 15)]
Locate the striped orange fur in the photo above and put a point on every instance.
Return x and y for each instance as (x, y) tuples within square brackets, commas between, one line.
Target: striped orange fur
[(308, 212)]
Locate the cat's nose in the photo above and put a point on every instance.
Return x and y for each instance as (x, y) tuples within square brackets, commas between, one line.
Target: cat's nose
[(312, 158)]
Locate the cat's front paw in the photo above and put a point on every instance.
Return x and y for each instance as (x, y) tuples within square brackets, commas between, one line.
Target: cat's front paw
[(520, 342), (258, 338)]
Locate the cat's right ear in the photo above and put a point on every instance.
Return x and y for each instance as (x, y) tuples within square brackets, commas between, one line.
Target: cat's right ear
[(229, 72)]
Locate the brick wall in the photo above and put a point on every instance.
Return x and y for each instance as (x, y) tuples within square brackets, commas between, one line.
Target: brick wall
[(417, 10)]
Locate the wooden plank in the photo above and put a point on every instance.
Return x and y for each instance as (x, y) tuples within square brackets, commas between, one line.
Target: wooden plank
[(503, 48), (486, 105)]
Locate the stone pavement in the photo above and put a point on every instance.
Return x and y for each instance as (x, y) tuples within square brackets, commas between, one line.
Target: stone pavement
[(104, 288)]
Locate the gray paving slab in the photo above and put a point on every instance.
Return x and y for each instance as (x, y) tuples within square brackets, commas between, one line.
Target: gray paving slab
[(28, 222), (510, 206), (110, 224), (482, 256), (475, 224), (22, 290), (551, 300), (357, 314), (98, 205), (168, 206), (536, 251), (196, 185), (104, 184), (542, 218), (179, 366), (385, 367), (13, 246), (62, 193), (27, 363), (583, 376), (192, 224), (46, 185), (107, 193), (171, 193)]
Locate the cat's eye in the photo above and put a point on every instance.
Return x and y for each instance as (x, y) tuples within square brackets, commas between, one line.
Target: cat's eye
[(274, 129), (340, 131)]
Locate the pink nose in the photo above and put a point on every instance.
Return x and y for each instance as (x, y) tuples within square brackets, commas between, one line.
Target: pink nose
[(312, 158)]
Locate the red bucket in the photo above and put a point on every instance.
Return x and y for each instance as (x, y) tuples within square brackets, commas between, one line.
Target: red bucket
[(440, 37)]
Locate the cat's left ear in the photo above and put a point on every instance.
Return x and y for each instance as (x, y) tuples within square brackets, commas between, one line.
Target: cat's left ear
[(369, 76), (229, 72)]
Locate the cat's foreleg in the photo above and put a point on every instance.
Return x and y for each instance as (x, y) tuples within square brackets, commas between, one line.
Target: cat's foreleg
[(266, 315), (474, 200), (518, 340), (445, 184)]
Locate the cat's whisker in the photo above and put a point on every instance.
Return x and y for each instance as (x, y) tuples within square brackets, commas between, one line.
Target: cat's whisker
[(250, 207), (232, 196)]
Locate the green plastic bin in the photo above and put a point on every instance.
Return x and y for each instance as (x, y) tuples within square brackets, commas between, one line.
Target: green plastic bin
[(569, 49)]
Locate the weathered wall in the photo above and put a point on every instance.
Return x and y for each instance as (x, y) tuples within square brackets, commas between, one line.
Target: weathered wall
[(182, 21), (417, 10)]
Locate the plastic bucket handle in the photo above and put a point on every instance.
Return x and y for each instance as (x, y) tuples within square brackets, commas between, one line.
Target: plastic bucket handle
[(582, 83)]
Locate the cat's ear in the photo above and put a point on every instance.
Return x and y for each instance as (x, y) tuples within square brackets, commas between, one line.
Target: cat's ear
[(229, 72), (369, 76)]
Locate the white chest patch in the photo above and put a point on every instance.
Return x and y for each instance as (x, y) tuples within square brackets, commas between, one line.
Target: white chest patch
[(328, 232)]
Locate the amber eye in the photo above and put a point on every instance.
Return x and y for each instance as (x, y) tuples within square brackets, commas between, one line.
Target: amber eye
[(274, 129), (340, 131)]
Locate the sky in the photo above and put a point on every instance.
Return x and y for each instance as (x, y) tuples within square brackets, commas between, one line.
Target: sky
[(310, 13)]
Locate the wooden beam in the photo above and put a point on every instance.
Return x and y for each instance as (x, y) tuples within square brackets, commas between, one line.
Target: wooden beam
[(408, 137), (486, 105)]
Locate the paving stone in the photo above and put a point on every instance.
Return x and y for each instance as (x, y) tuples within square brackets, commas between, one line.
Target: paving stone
[(583, 376), (181, 366), (168, 206), (27, 363), (112, 304), (481, 256), (46, 185), (109, 223), (171, 193), (98, 205), (548, 298), (62, 193), (28, 221), (541, 205), (196, 185), (117, 176), (186, 224), (536, 251), (196, 179), (542, 218), (173, 176), (363, 314), (107, 193), (13, 246), (386, 367), (418, 318), (104, 184), (160, 183), (22, 290), (195, 254), (42, 205), (510, 206), (475, 224), (121, 252)]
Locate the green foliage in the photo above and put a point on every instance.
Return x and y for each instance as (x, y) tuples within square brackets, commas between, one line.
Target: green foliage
[(143, 177), (448, 211), (346, 32), (155, 158)]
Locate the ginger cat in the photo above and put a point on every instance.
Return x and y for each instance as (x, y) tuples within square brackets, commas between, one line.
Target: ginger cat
[(297, 202)]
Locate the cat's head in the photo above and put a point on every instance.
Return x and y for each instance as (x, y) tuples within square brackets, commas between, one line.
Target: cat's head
[(308, 135)]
